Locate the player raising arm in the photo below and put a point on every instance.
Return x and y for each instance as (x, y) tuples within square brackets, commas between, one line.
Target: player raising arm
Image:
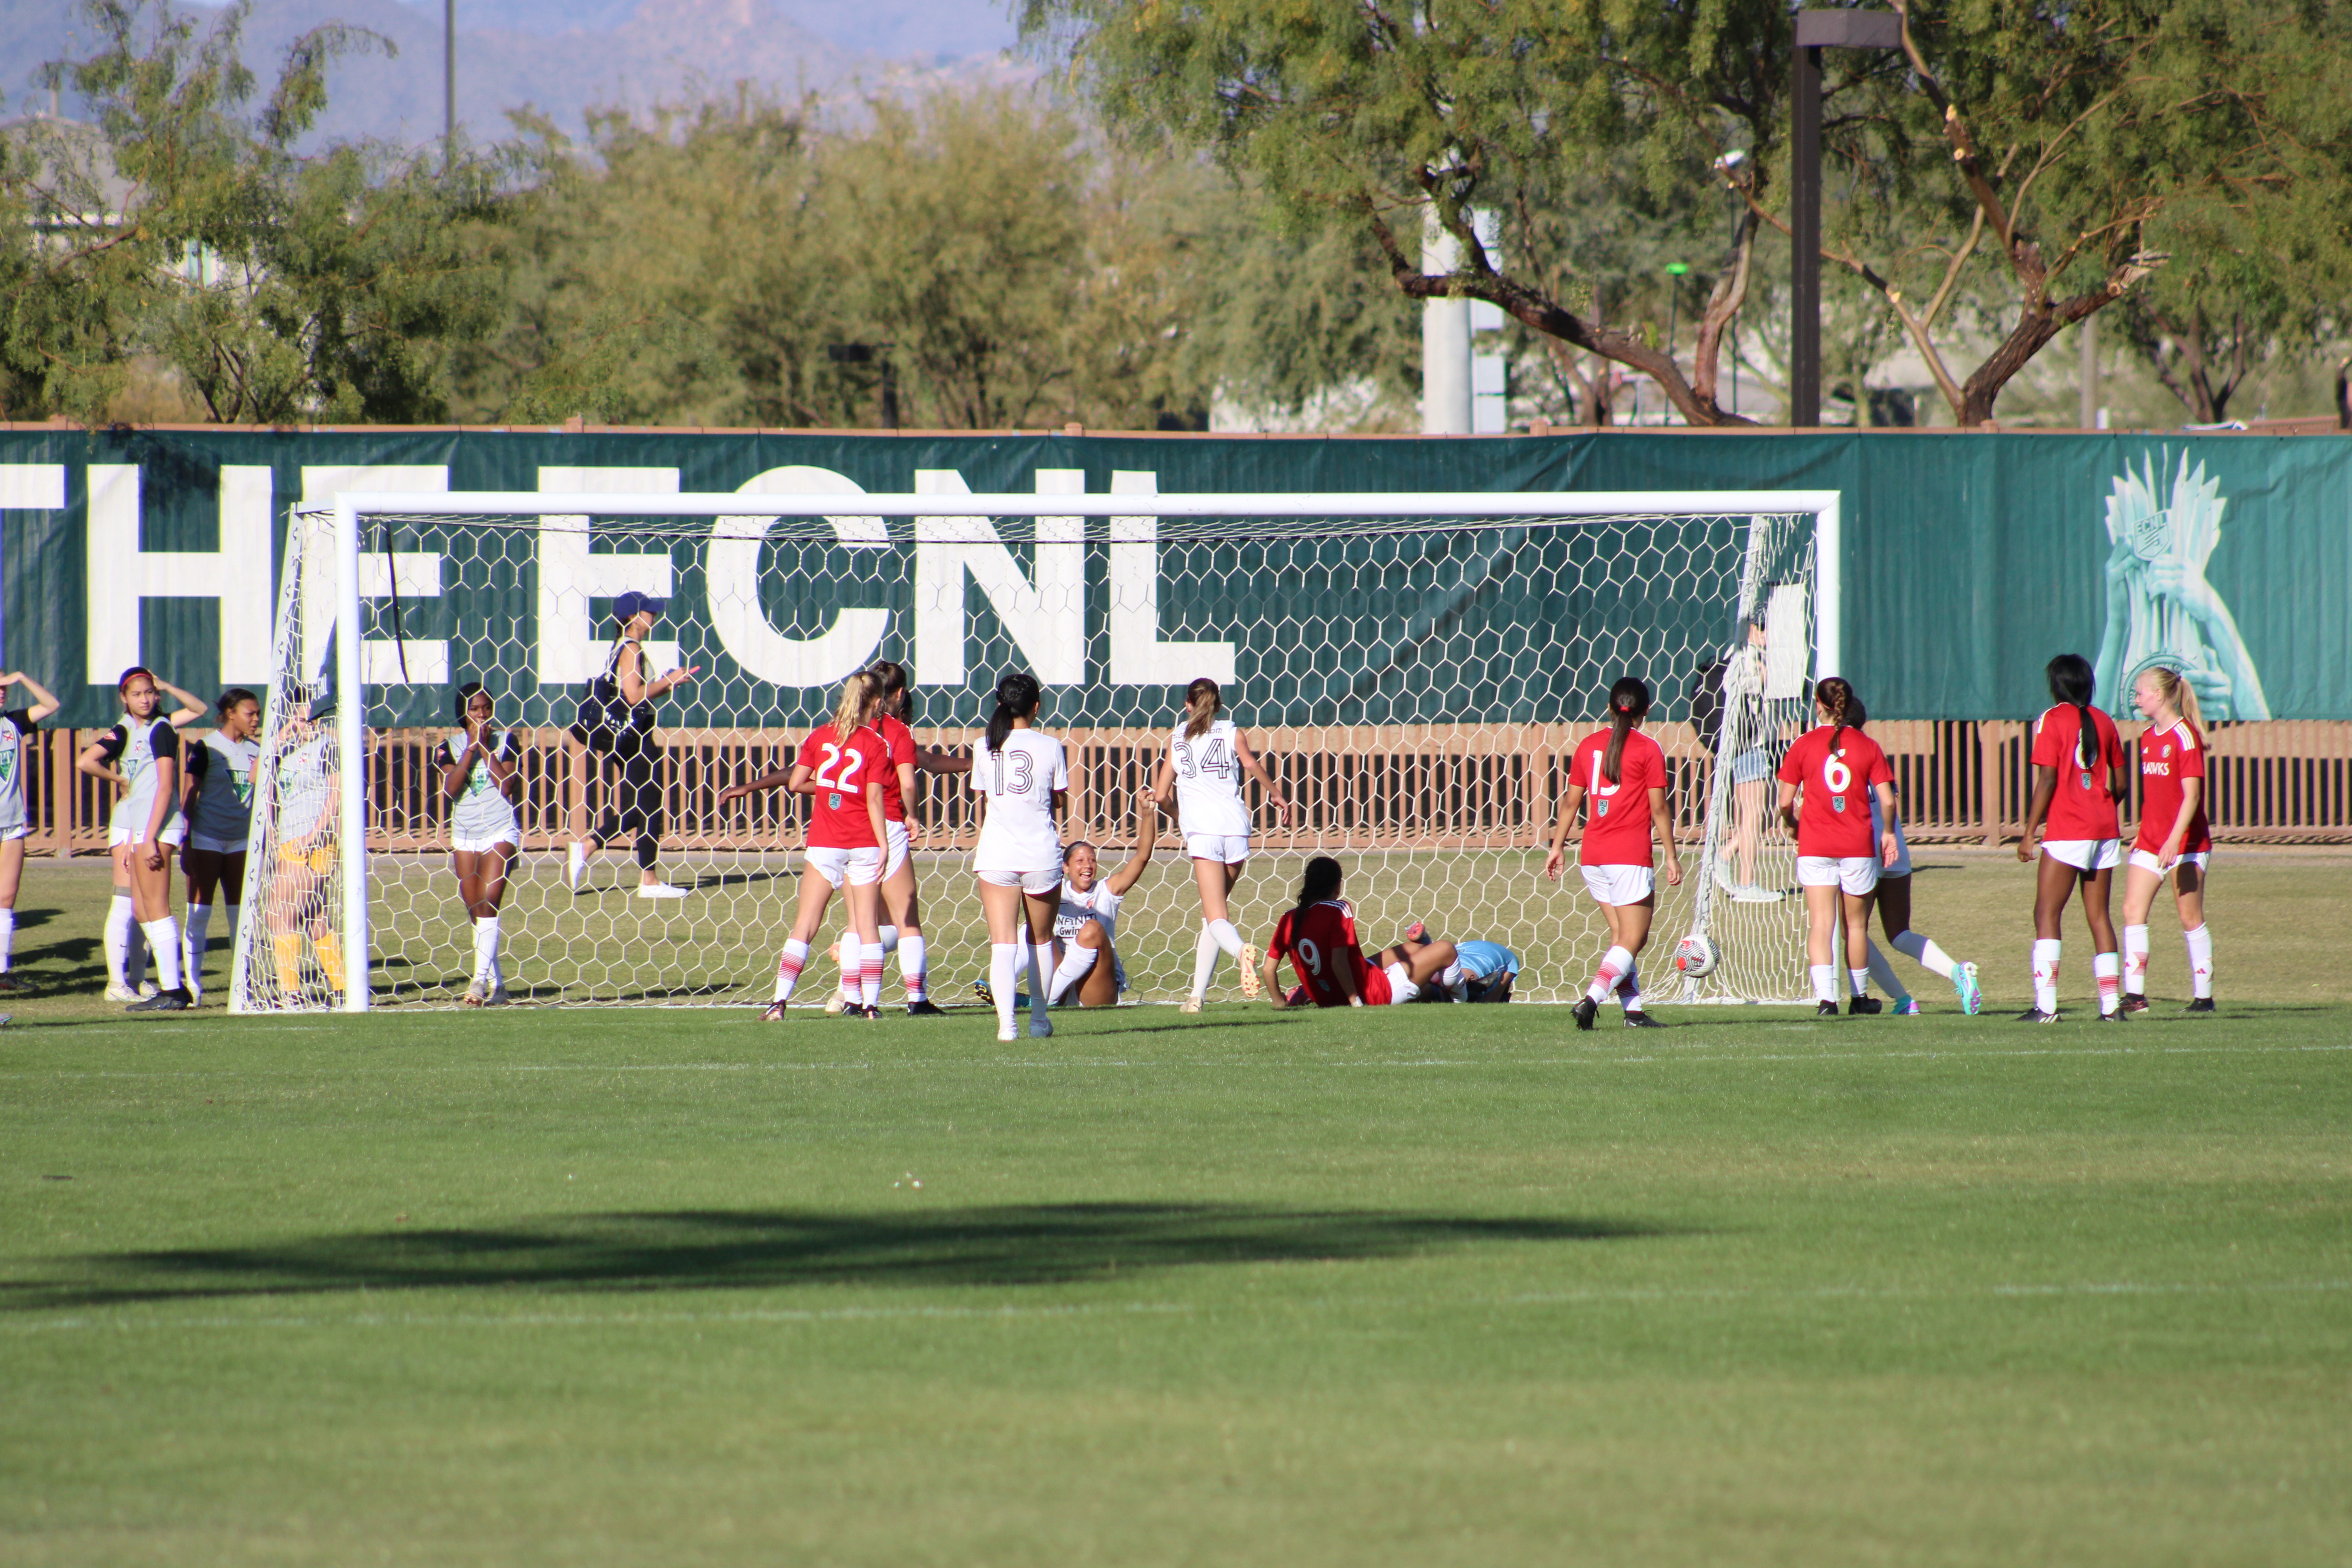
[(1200, 780), (15, 824), (2078, 777), (143, 755), (841, 765), (481, 773), (2173, 838), (1620, 774), (1825, 782), (1086, 969)]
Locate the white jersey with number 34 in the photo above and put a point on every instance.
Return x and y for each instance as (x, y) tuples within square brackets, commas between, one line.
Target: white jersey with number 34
[(1208, 770)]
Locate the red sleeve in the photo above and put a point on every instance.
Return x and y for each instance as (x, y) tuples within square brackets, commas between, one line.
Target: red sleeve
[(1348, 928), (1654, 763), (901, 744), (1280, 945), (2046, 752), (808, 756), (1792, 766), (2192, 755), (877, 759)]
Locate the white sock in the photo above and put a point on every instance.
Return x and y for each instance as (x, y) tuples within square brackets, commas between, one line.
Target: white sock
[(120, 924), (1076, 965), (486, 949), (2200, 961), (1629, 989), (869, 974), (2106, 973), (1001, 970), (2135, 961), (890, 935), (1859, 980), (853, 959), (1924, 952), (163, 937), (910, 968), (1824, 981), (2045, 974), (1205, 951), (195, 934), (788, 969), (1883, 973), (7, 937), (1615, 964), (1228, 939)]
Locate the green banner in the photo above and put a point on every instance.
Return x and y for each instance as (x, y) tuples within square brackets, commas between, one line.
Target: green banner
[(1968, 561)]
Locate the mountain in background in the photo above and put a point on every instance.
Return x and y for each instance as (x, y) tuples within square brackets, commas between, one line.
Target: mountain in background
[(563, 57)]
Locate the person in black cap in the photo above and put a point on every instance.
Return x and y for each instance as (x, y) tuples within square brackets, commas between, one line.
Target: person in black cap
[(616, 721)]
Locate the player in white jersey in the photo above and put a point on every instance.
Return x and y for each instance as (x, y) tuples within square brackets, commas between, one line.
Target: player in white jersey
[(481, 773), (141, 754), (219, 806), (1200, 779), (1024, 776), (15, 823), (1895, 915), (1086, 968)]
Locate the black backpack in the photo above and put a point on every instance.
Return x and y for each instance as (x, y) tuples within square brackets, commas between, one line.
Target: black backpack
[(602, 706)]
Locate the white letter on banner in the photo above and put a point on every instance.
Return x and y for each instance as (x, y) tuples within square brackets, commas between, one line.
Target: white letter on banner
[(571, 646), (416, 574), (1047, 620), (120, 573), (733, 576), (1137, 657)]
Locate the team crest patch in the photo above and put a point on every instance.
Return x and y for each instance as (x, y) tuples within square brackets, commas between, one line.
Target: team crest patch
[(1837, 803), (2086, 780), (833, 801), (1601, 806)]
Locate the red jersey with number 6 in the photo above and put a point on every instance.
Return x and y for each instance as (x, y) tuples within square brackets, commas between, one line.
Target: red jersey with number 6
[(1617, 815), (1317, 942), (2167, 758), (2084, 804), (839, 773), (899, 744), (1834, 813)]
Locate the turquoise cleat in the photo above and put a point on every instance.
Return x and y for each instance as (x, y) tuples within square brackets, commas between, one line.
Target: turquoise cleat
[(1964, 981)]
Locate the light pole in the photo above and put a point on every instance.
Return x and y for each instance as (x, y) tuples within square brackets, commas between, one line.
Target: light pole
[(449, 85), (1816, 30)]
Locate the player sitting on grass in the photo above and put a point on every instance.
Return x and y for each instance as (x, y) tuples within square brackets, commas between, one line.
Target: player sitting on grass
[(1085, 970), (1318, 938), (1480, 972)]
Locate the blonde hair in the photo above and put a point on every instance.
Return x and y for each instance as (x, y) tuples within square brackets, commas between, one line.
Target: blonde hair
[(2173, 690), (1201, 705), (857, 697)]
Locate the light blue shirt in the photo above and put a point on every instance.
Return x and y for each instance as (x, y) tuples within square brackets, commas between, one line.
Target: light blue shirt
[(1485, 959)]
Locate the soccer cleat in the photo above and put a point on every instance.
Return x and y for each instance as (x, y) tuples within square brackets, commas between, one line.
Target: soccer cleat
[(2036, 1015), (871, 1015), (1865, 1006), (120, 992), (660, 891), (1825, 1010), (773, 1014), (1964, 981), (1723, 877), (1756, 896), (2203, 1004), (1190, 1005), (2135, 1004), (9, 982), (1638, 1019), (575, 867), (1416, 934), (1585, 1011), (173, 1001), (1250, 985), (2118, 1016), (1007, 1036), (986, 992), (922, 1008), (498, 996), (1908, 1008), (476, 995), (837, 1005), (1041, 1029)]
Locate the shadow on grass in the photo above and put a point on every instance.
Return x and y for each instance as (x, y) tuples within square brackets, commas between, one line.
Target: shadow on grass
[(1038, 1244)]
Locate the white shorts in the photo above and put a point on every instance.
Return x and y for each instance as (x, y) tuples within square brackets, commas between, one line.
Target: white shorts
[(861, 866), (900, 846), (2146, 860), (1401, 989), (1619, 884), (1857, 874), (2086, 854), (466, 844), (211, 846), (1225, 848), (1037, 883), (176, 833), (20, 832)]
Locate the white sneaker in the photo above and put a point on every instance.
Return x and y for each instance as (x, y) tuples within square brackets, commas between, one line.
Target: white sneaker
[(836, 1004), (147, 988), (1006, 1037), (1041, 1029), (1723, 877), (498, 996), (575, 866), (116, 993), (1190, 1005), (1754, 896), (660, 891)]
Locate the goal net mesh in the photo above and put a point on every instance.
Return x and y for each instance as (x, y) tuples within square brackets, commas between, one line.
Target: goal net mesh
[(1417, 685)]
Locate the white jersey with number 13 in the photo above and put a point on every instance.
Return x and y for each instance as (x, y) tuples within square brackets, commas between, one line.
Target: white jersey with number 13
[(1019, 834)]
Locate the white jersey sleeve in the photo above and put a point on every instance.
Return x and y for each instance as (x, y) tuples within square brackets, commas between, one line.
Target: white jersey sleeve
[(1208, 771), (1019, 781)]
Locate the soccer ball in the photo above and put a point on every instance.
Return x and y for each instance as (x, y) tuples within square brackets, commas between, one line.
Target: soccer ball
[(1696, 954)]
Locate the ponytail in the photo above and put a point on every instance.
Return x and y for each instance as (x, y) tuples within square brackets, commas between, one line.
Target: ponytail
[(1836, 696), (1201, 706), (2173, 689), (1629, 701), (857, 694), (2072, 682), (1016, 698), (1320, 882)]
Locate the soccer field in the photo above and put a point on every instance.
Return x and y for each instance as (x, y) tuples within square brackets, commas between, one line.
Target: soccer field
[(1432, 1285)]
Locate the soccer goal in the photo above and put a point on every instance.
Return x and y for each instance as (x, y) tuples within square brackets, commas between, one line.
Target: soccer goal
[(1415, 669)]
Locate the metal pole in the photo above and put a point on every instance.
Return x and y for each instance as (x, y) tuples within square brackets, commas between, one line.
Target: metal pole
[(448, 84), (351, 740), (1805, 242)]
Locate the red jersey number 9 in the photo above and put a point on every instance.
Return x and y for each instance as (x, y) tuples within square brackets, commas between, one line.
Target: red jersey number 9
[(1312, 955)]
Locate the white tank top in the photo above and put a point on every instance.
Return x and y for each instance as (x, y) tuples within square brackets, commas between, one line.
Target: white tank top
[(1096, 904), (223, 807), (1019, 834), (132, 747), (1208, 780), (482, 812)]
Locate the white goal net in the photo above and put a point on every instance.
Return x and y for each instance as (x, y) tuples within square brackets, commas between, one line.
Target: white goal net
[(1415, 670)]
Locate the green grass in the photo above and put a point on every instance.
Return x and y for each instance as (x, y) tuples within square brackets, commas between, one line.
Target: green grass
[(1435, 1285)]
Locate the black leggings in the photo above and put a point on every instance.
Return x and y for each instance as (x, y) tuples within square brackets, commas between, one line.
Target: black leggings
[(633, 802)]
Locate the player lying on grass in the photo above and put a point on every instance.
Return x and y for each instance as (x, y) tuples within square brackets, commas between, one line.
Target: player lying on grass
[(1894, 913), (1481, 971), (1619, 776), (1318, 937), (1827, 781), (2078, 777), (1086, 971), (2174, 839)]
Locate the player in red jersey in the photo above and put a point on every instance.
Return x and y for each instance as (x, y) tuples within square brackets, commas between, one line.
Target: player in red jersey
[(2078, 777), (1827, 783), (1622, 774), (840, 766), (1318, 938), (2173, 837)]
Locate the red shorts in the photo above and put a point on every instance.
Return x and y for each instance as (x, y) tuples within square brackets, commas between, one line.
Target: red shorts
[(1376, 988)]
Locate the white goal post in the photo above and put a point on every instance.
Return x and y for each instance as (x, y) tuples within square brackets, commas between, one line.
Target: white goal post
[(1685, 572)]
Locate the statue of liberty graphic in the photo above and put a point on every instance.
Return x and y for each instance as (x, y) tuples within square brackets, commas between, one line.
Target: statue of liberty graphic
[(2161, 608)]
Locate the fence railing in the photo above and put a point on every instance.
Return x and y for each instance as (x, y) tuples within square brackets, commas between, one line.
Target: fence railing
[(1365, 787)]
